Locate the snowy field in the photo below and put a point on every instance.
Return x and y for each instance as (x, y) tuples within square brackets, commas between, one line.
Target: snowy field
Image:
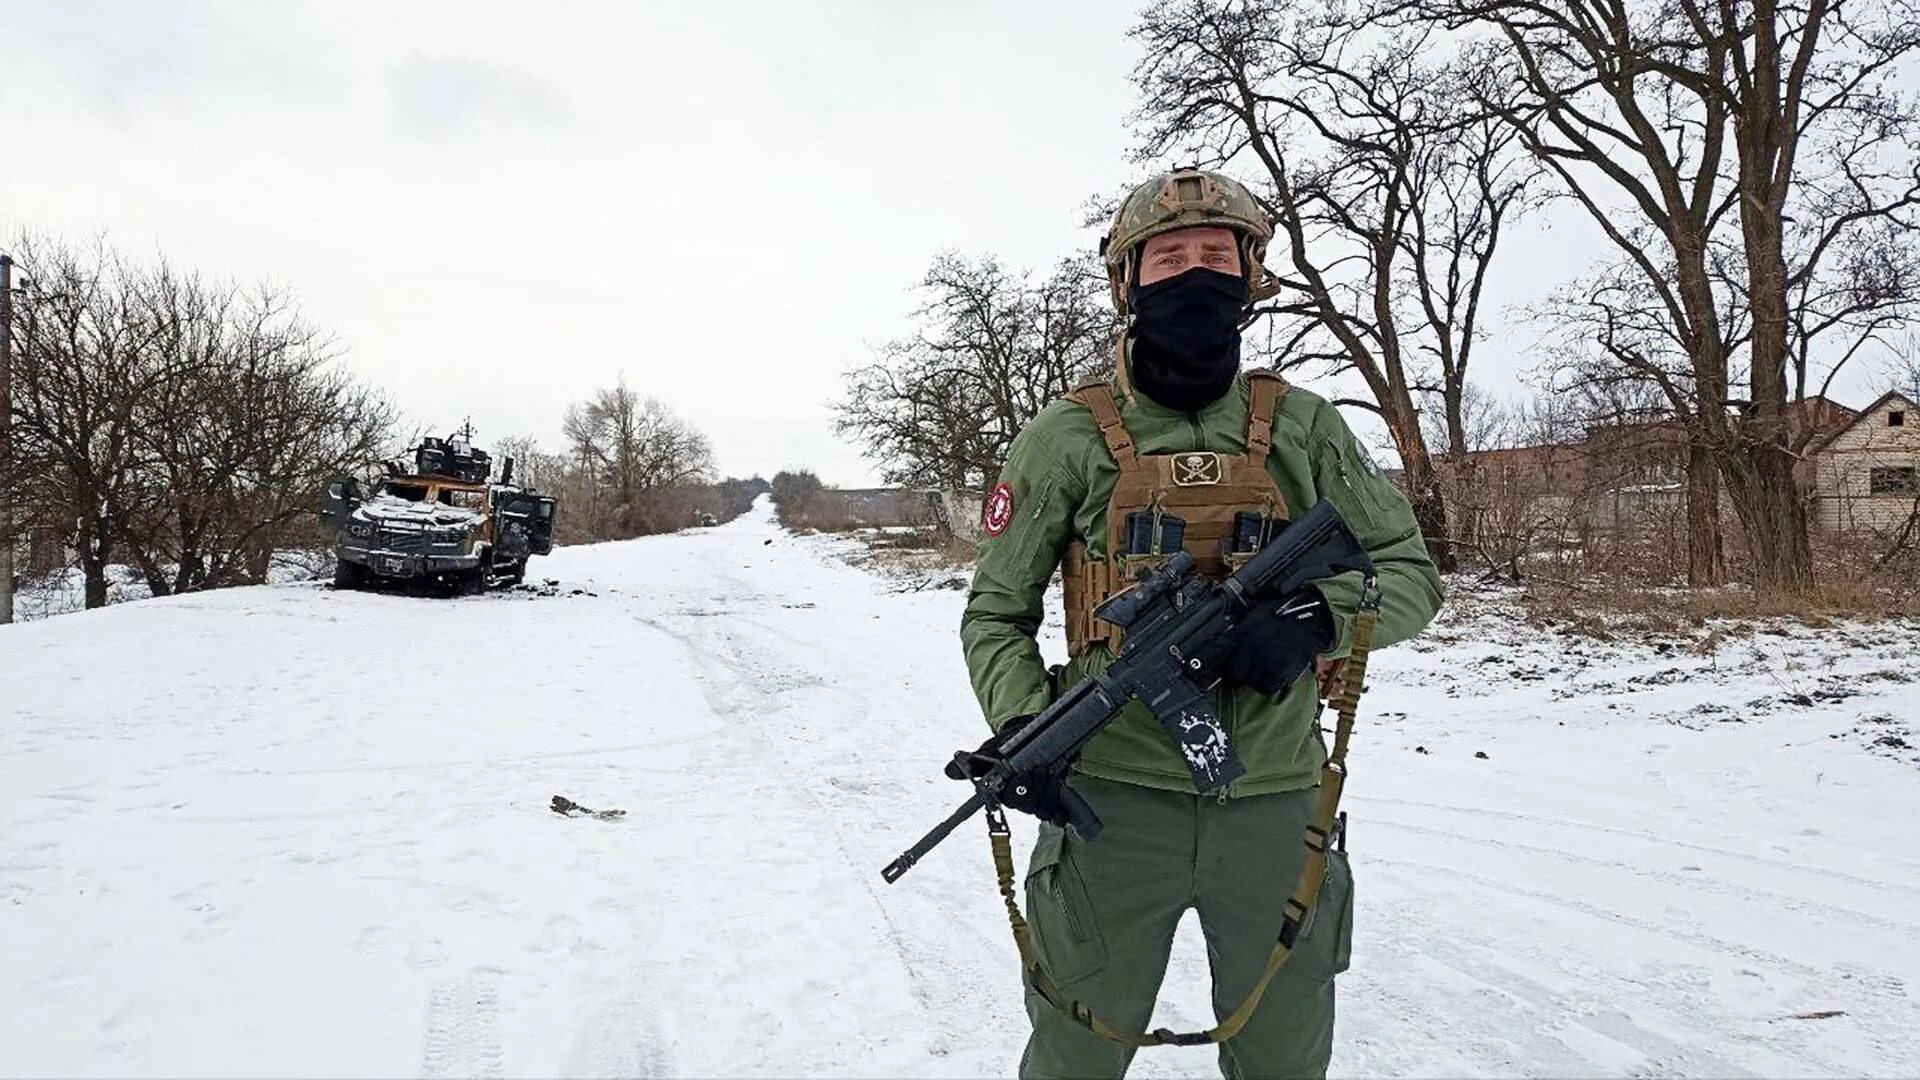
[(285, 831)]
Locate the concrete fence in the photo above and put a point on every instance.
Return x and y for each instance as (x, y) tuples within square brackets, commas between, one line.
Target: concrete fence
[(958, 512)]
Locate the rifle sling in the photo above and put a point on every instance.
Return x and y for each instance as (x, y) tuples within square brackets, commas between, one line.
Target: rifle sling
[(1333, 775)]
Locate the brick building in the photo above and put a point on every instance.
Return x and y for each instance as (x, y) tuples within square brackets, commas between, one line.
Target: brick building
[(1860, 470), (1865, 474)]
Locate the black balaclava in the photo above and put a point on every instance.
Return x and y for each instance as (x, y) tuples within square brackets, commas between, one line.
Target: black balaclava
[(1186, 347)]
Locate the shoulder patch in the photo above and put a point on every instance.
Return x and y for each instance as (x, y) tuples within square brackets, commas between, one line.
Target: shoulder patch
[(996, 513), (1366, 458)]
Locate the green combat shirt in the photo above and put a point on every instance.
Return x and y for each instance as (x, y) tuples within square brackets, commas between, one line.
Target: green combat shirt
[(1061, 477)]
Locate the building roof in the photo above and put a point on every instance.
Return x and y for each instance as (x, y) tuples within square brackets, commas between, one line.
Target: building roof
[(1824, 441), (1805, 401)]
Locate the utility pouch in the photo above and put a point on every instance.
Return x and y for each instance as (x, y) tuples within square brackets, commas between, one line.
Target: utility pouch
[(1252, 530), (1150, 532), (1151, 537)]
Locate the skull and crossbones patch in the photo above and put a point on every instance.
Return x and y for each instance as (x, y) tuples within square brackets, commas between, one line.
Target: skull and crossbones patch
[(1196, 469)]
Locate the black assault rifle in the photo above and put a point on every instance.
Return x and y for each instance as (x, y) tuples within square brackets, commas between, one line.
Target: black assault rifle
[(1177, 628)]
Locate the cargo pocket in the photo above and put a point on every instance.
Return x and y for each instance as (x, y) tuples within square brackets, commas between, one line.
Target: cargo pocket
[(1028, 525), (1351, 486), (1325, 949), (1065, 931)]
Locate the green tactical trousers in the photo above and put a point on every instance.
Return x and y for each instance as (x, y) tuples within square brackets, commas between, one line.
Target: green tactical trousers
[(1104, 913)]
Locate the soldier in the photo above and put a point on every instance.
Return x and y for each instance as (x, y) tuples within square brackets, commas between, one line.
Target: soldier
[(1182, 450)]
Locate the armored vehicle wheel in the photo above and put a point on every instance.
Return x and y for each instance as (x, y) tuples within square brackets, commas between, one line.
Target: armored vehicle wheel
[(473, 582), (349, 575)]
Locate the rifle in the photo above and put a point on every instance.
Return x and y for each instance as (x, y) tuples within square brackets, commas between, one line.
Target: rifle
[(1176, 629)]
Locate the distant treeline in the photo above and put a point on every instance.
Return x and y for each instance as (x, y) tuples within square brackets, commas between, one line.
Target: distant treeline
[(183, 426), (631, 467), (169, 422)]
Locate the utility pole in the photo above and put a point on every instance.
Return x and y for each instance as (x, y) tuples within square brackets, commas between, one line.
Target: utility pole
[(6, 440)]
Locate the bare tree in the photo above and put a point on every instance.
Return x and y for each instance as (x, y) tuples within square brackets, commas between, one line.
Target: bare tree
[(590, 503), (234, 445), (175, 424), (1472, 421), (940, 408), (1482, 421), (84, 363), (1618, 354), (533, 467), (630, 449), (1752, 157), (1902, 369), (1390, 198), (792, 489)]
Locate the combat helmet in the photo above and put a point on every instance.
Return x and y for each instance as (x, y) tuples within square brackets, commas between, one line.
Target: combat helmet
[(1182, 199)]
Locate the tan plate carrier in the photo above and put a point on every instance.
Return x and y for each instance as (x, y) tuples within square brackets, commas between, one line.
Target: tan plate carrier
[(1207, 490), (1233, 483)]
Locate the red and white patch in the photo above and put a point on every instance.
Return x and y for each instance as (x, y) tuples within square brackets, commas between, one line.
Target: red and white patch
[(997, 513)]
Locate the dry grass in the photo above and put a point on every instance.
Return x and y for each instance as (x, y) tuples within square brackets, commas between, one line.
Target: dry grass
[(923, 548), (908, 540), (1630, 583), (919, 558), (1602, 607)]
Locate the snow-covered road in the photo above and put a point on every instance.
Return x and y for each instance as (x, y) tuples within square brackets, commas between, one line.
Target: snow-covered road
[(286, 831)]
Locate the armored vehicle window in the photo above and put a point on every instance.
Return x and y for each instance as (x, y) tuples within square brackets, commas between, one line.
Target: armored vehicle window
[(465, 500), (409, 492)]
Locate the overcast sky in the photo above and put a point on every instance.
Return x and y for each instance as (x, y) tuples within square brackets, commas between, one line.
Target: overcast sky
[(499, 207)]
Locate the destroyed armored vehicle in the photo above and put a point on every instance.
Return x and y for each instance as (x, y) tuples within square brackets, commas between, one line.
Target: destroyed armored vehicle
[(437, 519)]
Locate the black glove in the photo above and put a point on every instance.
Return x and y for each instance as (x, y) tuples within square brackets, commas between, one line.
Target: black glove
[(1277, 642), (1036, 792)]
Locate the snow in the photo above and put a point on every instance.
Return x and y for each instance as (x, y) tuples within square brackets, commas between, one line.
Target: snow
[(1647, 489), (394, 510), (288, 831)]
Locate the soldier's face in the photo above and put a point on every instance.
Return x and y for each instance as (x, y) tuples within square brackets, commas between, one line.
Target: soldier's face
[(1181, 250)]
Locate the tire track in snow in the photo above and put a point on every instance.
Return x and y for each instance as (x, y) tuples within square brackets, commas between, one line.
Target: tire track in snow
[(463, 1029), (1877, 1000), (477, 763), (735, 663), (621, 1039), (1400, 1033), (960, 1001), (1595, 1006), (1604, 914), (740, 672), (1829, 913), (1644, 836), (753, 686), (1561, 1026), (1440, 997)]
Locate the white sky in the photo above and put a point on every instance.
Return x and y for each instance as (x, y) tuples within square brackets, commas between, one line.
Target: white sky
[(500, 207)]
